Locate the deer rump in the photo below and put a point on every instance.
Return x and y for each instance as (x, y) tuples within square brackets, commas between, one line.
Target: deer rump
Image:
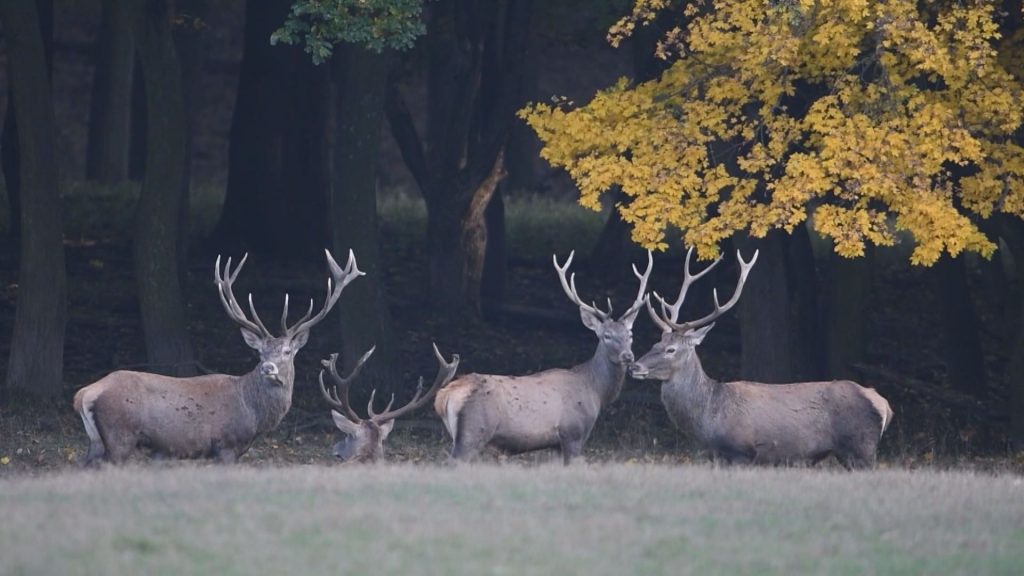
[(514, 413), (796, 423), (168, 416)]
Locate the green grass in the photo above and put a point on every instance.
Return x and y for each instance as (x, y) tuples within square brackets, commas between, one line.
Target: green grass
[(599, 519)]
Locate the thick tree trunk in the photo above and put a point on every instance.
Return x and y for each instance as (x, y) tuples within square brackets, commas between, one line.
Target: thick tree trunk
[(766, 325), (9, 139), (110, 111), (965, 366), (810, 355), (361, 81), (849, 286), (1012, 231), (137, 152), (492, 284), (157, 220), (278, 176), (36, 362)]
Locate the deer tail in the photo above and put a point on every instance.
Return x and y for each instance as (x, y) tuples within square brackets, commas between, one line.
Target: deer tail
[(83, 403), (881, 405)]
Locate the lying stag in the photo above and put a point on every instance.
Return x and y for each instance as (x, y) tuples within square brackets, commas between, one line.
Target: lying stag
[(213, 416), (551, 409), (751, 422), (365, 438)]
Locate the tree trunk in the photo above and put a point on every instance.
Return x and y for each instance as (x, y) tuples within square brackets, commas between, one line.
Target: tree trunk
[(810, 355), (9, 137), (37, 347), (766, 326), (110, 111), (492, 284), (157, 220), (1012, 231), (849, 287), (137, 152), (965, 366), (278, 178), (361, 81)]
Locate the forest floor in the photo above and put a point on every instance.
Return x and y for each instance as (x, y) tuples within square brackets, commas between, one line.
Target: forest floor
[(103, 335)]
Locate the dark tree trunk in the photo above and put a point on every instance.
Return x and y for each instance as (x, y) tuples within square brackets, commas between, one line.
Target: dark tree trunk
[(156, 238), (849, 286), (492, 285), (137, 152), (37, 347), (9, 138), (766, 325), (361, 84), (110, 111), (965, 367), (810, 354), (189, 43), (609, 254), (1012, 231), (471, 106), (278, 177)]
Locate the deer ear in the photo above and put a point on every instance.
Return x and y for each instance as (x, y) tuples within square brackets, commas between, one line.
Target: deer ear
[(344, 424), (385, 429), (695, 337), (590, 320), (300, 339), (253, 340)]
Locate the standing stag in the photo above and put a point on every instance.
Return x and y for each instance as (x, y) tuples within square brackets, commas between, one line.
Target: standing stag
[(751, 422), (214, 416), (551, 409), (365, 437)]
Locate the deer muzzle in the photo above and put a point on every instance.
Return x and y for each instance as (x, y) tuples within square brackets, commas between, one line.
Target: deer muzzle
[(269, 370), (638, 371)]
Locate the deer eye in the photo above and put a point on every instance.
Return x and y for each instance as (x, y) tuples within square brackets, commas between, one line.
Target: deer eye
[(670, 350)]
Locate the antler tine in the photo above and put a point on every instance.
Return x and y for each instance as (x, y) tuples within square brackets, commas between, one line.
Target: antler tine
[(340, 277), (224, 280), (664, 325), (672, 310), (720, 309), (256, 317), (445, 373), (641, 294), (569, 286), (369, 407), (341, 401)]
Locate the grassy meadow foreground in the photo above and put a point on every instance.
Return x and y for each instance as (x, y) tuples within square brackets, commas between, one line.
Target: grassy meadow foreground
[(491, 519)]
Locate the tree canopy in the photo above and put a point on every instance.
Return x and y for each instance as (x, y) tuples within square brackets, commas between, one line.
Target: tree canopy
[(376, 24), (870, 118)]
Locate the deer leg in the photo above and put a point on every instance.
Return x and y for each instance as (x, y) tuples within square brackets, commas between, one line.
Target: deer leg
[(226, 456), (571, 445)]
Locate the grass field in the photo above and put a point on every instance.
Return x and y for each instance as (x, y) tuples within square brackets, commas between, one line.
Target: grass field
[(489, 519)]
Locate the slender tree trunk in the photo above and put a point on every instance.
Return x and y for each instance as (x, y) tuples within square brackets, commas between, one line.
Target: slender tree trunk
[(965, 366), (157, 220), (849, 286), (9, 139), (361, 77), (278, 181), (36, 362), (766, 325), (110, 111), (492, 284)]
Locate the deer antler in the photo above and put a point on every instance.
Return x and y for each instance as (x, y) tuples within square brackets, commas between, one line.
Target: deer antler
[(569, 286), (667, 319), (641, 294), (340, 401), (340, 277), (445, 373), (225, 280)]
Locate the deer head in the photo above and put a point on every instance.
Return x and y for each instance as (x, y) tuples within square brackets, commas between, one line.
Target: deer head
[(677, 347), (366, 436), (615, 336), (277, 353)]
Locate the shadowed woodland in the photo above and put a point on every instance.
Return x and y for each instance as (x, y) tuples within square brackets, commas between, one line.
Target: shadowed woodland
[(143, 139)]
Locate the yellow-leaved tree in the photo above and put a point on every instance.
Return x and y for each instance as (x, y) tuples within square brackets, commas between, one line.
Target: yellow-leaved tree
[(870, 118)]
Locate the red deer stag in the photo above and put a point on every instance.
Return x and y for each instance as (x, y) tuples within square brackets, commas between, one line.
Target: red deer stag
[(752, 422), (365, 437), (214, 416), (551, 409)]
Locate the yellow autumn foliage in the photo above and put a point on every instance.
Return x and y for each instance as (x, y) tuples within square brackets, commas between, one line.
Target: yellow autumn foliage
[(870, 118)]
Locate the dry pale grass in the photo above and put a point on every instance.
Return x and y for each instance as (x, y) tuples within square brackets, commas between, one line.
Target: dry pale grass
[(512, 519)]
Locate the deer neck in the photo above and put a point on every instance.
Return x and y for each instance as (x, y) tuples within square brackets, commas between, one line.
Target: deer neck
[(268, 399), (691, 388), (604, 377)]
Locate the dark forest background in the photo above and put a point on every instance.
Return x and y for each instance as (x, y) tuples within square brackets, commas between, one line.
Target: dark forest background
[(142, 139)]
